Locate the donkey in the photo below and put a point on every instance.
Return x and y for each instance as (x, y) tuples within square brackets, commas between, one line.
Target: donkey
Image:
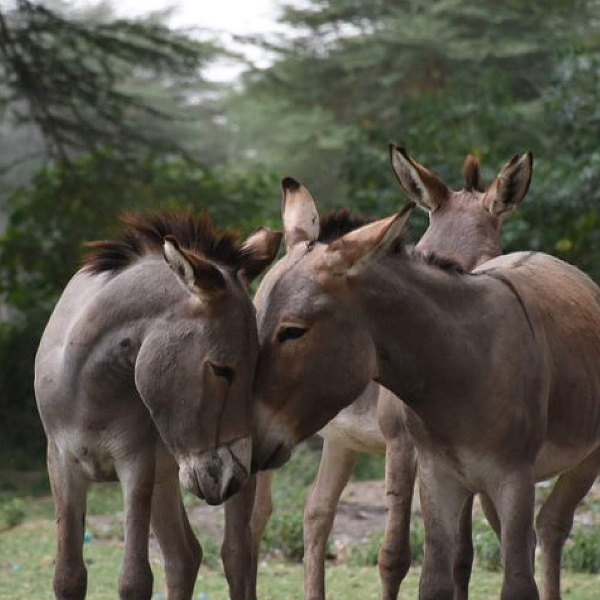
[(145, 370), (499, 371), (462, 226)]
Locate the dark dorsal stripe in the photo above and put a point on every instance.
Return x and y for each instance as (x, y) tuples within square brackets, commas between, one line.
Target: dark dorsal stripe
[(141, 235)]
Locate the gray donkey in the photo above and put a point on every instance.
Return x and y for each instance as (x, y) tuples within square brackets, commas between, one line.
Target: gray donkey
[(145, 371), (465, 226), (499, 370)]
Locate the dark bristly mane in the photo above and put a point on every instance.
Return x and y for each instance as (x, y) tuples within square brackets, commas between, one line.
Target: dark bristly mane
[(141, 235), (338, 223), (446, 264)]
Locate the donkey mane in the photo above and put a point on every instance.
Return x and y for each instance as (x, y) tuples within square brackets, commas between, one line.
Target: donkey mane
[(142, 235), (338, 223)]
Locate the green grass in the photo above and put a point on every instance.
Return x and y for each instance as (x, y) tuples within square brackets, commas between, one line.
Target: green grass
[(26, 564)]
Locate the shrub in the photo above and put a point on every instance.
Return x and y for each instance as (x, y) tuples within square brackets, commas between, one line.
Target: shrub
[(583, 553), (285, 533), (486, 546), (12, 512)]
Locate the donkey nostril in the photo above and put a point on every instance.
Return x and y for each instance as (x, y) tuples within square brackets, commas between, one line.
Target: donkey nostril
[(214, 472)]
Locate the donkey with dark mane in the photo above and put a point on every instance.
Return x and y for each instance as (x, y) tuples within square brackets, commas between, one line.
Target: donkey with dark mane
[(144, 374), (499, 370), (465, 226)]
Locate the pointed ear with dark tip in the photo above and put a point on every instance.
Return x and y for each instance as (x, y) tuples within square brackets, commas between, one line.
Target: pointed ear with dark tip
[(421, 185), (354, 251), (299, 214), (510, 186), (259, 251), (197, 274), (472, 174)]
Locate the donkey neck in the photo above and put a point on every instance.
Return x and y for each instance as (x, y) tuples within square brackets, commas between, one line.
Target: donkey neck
[(431, 328)]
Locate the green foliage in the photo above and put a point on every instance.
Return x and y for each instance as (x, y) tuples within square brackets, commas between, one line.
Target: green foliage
[(285, 534), (417, 540), (582, 553), (290, 486), (211, 554), (369, 467), (12, 511), (486, 546), (366, 555)]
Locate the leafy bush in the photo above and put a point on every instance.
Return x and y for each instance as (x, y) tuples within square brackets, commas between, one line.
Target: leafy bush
[(582, 554), (417, 541), (285, 534), (12, 512), (369, 467), (211, 554), (486, 546)]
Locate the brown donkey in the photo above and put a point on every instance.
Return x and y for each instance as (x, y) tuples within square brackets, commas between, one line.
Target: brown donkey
[(146, 368), (499, 369), (465, 226)]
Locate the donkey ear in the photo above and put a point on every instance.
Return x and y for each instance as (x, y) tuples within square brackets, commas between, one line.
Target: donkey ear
[(259, 251), (299, 214), (510, 186), (472, 174), (421, 185), (352, 252), (197, 274)]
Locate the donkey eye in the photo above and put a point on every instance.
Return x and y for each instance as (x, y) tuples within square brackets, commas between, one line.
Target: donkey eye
[(226, 373), (290, 333)]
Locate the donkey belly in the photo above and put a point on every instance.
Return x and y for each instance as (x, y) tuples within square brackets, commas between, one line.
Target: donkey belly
[(356, 427)]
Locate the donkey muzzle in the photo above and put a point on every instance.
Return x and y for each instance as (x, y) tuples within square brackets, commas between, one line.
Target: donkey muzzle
[(216, 475)]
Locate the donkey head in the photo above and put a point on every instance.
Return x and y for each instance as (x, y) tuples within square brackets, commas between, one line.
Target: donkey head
[(195, 367), (464, 225), (304, 374)]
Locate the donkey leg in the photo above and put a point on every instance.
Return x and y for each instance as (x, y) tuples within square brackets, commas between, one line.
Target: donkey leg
[(136, 475), (442, 501), (513, 498), (236, 551), (69, 490), (395, 553), (463, 562), (335, 469), (261, 513), (555, 519), (181, 551)]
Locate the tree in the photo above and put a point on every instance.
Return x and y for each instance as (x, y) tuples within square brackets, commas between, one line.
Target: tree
[(89, 81)]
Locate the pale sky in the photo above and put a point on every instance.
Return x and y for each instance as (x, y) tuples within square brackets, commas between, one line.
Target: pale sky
[(230, 17)]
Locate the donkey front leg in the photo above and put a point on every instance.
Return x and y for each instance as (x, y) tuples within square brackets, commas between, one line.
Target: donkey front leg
[(69, 489), (181, 551), (442, 501), (513, 496), (335, 469), (395, 553), (236, 551), (463, 562), (555, 519), (261, 513), (136, 474)]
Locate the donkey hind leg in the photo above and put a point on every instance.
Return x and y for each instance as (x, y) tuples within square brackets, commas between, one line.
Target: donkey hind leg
[(236, 551), (136, 474), (261, 513), (395, 553), (181, 551), (69, 490), (514, 502), (335, 469), (555, 519), (442, 500), (463, 561)]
